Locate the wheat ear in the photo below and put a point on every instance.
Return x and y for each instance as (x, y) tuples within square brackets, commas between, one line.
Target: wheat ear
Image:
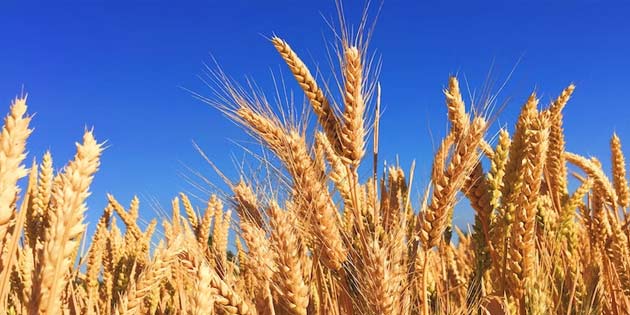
[(497, 167), (338, 172), (150, 278), (95, 258), (260, 259), (447, 182), (190, 211), (247, 204), (288, 254), (202, 234), (220, 239), (126, 217), (513, 180), (12, 143), (352, 132), (290, 147), (601, 182), (620, 180), (321, 106), (39, 213), (62, 237), (203, 297), (556, 165), (456, 107), (522, 248)]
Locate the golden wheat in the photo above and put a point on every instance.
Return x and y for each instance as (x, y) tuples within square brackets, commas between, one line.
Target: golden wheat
[(327, 237)]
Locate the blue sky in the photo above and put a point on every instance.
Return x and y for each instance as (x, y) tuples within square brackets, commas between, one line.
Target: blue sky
[(120, 66)]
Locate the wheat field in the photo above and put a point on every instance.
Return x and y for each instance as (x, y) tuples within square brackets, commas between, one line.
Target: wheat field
[(326, 238)]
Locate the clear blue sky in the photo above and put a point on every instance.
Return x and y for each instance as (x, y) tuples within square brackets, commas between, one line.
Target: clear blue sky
[(119, 66)]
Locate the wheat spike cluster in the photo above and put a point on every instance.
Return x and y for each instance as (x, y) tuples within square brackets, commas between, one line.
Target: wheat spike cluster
[(326, 232)]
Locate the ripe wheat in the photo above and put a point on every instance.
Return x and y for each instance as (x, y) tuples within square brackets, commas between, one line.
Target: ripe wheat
[(326, 238)]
